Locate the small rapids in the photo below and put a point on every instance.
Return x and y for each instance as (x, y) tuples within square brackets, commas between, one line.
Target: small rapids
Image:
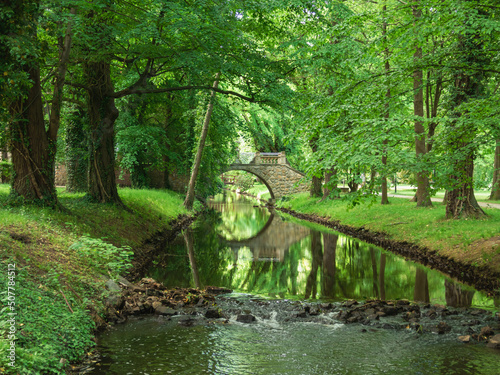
[(286, 337), (294, 308)]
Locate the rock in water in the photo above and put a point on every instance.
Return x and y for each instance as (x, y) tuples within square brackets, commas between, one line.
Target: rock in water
[(212, 314), (245, 318), (464, 339), (494, 342)]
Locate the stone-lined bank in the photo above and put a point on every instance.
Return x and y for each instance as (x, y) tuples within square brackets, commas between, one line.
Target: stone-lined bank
[(481, 277)]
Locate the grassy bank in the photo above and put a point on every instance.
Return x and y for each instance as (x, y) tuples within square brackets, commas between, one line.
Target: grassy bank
[(260, 191), (57, 263), (472, 241)]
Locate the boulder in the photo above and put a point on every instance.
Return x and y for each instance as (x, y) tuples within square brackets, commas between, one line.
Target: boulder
[(494, 342), (212, 314), (465, 339), (245, 318), (112, 286), (164, 310)]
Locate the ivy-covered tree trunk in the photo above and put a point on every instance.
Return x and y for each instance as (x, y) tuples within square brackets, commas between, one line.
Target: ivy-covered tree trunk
[(102, 114), (461, 202), (495, 189), (29, 142), (76, 153), (32, 160)]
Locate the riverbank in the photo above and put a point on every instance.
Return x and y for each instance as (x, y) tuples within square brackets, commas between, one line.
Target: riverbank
[(60, 264), (468, 250)]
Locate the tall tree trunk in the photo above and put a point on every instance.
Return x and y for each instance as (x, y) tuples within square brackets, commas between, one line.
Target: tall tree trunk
[(384, 199), (60, 78), (32, 160), (423, 194), (432, 105), (316, 186), (333, 192), (188, 202), (461, 202), (495, 188), (316, 182), (102, 114)]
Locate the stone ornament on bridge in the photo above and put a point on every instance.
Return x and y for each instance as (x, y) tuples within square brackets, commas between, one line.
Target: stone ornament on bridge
[(274, 170)]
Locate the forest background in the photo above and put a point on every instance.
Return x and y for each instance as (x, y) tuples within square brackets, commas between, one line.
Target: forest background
[(352, 91)]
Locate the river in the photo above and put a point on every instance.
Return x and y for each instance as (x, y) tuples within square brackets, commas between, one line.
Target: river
[(276, 265)]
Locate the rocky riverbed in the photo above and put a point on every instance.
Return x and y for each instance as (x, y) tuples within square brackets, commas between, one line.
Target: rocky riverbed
[(212, 304)]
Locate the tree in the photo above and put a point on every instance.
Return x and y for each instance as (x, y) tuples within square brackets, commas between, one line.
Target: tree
[(188, 202), (468, 84), (495, 189), (31, 144), (423, 193)]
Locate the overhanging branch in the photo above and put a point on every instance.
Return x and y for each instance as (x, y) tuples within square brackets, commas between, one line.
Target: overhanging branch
[(130, 91)]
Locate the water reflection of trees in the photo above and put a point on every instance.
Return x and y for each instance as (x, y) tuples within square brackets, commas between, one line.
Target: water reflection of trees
[(323, 265), (457, 295)]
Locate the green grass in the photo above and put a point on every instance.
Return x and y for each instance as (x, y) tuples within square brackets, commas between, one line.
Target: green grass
[(260, 191), (60, 258), (401, 220), (480, 194)]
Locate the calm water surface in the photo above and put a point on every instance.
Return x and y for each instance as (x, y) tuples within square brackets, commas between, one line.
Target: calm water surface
[(270, 256)]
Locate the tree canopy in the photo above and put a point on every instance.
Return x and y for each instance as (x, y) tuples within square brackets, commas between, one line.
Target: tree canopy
[(358, 92)]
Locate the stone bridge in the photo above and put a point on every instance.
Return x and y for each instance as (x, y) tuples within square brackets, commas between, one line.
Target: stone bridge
[(273, 170), (272, 241)]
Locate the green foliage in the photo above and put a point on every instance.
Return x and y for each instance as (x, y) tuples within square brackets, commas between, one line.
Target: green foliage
[(5, 170), (141, 148), (96, 253), (41, 344), (244, 181), (76, 151)]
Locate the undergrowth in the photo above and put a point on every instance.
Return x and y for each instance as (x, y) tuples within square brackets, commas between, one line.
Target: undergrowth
[(63, 259)]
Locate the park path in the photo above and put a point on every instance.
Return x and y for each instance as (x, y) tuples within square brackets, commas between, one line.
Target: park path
[(482, 204)]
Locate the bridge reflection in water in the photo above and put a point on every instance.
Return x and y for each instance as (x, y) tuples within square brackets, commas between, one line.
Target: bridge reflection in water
[(253, 250), (270, 243)]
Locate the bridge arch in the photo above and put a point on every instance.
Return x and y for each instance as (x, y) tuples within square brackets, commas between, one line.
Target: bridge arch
[(274, 171), (235, 167)]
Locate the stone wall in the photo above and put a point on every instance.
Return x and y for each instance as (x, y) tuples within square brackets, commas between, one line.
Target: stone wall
[(61, 176), (176, 181)]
